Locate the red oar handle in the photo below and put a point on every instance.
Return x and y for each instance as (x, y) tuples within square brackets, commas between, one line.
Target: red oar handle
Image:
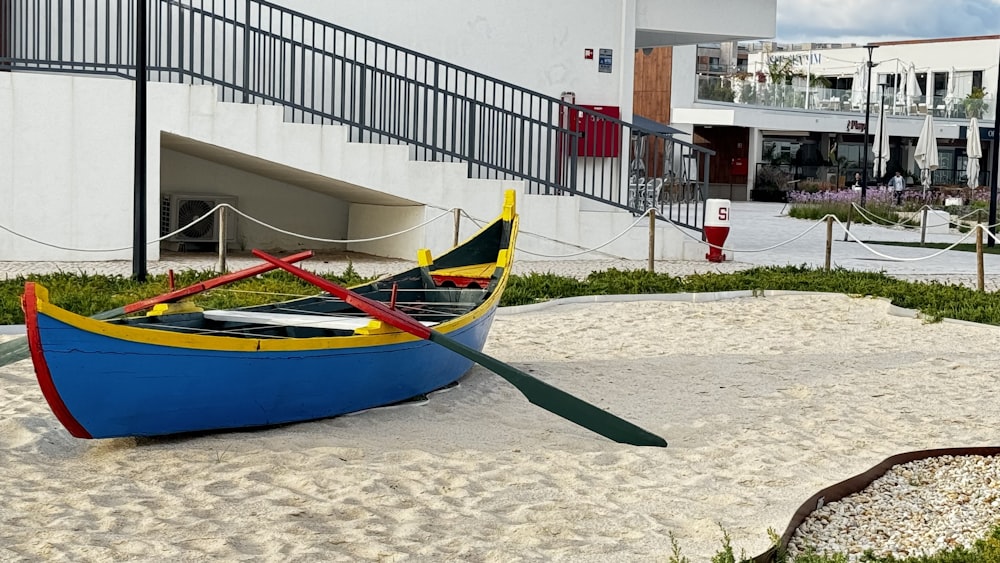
[(209, 284)]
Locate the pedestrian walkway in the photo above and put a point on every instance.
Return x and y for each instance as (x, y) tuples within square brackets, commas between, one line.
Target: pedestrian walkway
[(757, 226)]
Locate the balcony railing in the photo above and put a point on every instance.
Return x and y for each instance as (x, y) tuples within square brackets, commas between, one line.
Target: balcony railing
[(818, 98)]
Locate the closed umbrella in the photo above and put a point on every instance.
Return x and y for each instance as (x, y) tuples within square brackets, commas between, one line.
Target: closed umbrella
[(973, 151), (926, 152), (950, 98), (912, 88), (880, 148), (859, 85)]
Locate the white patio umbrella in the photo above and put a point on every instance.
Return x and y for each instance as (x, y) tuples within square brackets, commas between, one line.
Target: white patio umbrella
[(950, 98), (926, 152), (973, 151), (899, 85), (880, 148), (912, 88), (859, 85)]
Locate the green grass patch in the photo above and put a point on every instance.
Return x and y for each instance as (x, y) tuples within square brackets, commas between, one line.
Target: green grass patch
[(87, 294), (91, 294), (985, 550)]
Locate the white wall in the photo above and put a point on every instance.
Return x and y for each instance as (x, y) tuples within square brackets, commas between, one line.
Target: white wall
[(66, 173), (532, 44), (712, 18), (66, 168), (540, 45), (286, 206)]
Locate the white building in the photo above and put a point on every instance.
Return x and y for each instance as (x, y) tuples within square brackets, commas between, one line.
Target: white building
[(773, 112), (66, 132)]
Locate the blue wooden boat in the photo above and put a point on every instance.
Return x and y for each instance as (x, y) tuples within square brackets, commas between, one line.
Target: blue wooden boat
[(183, 369)]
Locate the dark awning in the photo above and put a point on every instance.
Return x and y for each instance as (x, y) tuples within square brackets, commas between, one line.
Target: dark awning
[(654, 126)]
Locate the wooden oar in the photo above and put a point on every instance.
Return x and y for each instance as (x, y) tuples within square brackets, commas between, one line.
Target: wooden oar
[(538, 392), (16, 349), (199, 287)]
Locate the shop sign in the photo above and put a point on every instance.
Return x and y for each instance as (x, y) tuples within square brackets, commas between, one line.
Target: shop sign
[(985, 133), (855, 125), (801, 59)]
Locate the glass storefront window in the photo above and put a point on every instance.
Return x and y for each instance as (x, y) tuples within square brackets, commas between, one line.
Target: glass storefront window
[(780, 150)]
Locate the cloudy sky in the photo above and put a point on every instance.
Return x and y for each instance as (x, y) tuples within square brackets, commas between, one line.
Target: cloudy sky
[(860, 21)]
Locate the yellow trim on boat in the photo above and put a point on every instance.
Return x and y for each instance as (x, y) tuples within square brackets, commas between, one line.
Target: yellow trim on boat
[(174, 308), (365, 337), (424, 257), (471, 271), (509, 207), (234, 344)]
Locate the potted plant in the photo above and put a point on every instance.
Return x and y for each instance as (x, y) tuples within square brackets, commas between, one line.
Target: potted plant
[(975, 103)]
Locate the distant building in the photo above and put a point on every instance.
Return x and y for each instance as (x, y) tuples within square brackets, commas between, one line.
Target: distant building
[(722, 58), (805, 106)]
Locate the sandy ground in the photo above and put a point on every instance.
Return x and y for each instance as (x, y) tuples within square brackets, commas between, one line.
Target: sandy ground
[(764, 401)]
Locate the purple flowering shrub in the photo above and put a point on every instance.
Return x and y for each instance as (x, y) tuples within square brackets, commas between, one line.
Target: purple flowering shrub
[(880, 202)]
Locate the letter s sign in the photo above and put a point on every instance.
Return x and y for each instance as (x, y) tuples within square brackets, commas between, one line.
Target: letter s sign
[(723, 214)]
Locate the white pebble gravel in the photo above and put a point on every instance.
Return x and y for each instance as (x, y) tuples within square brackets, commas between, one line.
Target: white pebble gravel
[(916, 509)]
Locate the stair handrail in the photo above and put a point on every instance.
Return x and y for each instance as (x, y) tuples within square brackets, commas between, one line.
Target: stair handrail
[(552, 157)]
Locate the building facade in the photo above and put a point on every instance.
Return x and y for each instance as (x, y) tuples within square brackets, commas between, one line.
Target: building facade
[(282, 106), (807, 108)]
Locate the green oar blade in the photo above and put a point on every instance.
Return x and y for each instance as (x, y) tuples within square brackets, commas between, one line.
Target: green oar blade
[(538, 392), (555, 400)]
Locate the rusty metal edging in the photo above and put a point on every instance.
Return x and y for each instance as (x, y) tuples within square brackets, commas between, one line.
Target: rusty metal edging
[(858, 483)]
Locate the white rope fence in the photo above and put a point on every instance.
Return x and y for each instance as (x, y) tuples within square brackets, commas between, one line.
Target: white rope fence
[(847, 233), (886, 222), (240, 213), (829, 219), (223, 206)]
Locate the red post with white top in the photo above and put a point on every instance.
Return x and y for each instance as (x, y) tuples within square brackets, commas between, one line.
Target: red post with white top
[(716, 228)]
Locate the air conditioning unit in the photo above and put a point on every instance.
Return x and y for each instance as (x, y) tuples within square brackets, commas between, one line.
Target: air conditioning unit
[(178, 210)]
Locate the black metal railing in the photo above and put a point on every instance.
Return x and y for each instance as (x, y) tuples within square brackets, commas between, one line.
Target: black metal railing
[(257, 52)]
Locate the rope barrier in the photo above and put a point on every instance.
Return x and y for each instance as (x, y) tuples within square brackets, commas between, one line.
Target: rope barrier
[(238, 212), (588, 250), (851, 235), (901, 259), (885, 221), (904, 225), (208, 214), (317, 239), (479, 223), (728, 249)]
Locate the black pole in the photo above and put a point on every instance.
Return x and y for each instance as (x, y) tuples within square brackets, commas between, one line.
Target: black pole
[(139, 203), (6, 34), (995, 145), (868, 113)]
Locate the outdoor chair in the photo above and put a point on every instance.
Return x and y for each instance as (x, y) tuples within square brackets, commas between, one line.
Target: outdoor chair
[(644, 193)]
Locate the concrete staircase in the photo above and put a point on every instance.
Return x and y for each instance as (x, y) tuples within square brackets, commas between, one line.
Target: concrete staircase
[(66, 180), (386, 190)]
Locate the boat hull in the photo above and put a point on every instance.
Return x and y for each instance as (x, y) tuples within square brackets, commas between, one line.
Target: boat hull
[(112, 387), (182, 369)]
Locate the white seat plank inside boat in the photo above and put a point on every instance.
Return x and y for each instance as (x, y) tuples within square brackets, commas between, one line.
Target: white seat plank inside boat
[(332, 322)]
